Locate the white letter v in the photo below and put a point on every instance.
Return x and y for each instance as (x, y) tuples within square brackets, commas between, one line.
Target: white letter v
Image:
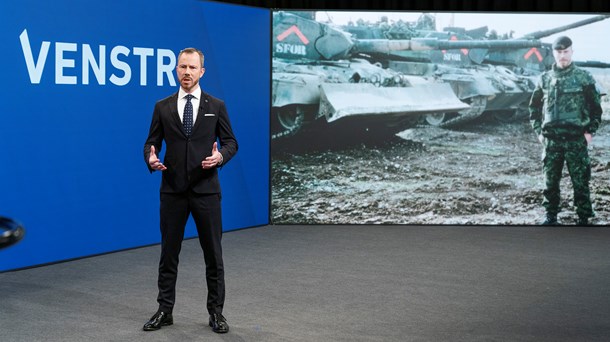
[(35, 70)]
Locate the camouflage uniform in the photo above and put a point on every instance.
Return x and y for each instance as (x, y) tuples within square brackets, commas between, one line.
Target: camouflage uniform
[(565, 105)]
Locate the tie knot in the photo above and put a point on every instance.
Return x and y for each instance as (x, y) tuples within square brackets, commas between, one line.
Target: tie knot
[(189, 97)]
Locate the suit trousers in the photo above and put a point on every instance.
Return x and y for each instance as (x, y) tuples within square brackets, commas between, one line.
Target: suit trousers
[(206, 212)]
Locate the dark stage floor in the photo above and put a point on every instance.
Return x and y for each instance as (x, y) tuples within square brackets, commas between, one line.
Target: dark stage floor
[(335, 283)]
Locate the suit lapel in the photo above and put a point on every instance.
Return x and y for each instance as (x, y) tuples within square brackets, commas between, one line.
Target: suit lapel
[(173, 108)]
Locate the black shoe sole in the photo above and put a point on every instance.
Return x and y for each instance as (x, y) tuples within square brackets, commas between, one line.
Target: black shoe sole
[(155, 329), (218, 331)]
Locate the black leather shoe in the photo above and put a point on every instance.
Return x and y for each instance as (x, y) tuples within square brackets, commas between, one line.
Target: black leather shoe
[(158, 320), (550, 220), (219, 324)]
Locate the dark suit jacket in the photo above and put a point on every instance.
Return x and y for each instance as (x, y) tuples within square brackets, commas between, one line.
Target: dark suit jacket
[(184, 154)]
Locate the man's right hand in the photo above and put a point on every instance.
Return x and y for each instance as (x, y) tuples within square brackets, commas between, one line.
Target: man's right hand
[(153, 161)]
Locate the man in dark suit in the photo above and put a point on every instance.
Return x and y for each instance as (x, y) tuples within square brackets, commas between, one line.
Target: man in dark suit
[(192, 123)]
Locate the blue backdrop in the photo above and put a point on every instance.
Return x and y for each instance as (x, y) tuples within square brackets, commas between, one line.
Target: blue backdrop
[(81, 80)]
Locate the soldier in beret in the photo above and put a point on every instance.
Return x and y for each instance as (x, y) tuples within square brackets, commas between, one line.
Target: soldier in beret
[(565, 113)]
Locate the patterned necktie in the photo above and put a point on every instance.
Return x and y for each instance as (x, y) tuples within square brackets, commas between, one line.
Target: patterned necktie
[(187, 120)]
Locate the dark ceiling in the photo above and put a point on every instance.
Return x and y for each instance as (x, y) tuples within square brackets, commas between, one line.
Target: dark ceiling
[(437, 5)]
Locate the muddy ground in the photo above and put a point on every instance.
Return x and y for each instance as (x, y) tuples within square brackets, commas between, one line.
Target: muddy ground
[(483, 173)]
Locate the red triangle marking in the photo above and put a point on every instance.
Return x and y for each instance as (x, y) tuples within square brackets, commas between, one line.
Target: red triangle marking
[(293, 29), (533, 51)]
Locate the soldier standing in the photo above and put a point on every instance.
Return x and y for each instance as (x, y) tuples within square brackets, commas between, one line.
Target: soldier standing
[(565, 113)]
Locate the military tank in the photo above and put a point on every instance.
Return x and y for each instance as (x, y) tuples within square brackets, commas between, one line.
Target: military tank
[(320, 72), (497, 80)]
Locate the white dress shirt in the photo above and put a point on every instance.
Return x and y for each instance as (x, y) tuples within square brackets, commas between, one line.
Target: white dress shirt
[(195, 101)]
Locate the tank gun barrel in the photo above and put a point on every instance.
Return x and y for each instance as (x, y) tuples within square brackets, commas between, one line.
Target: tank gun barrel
[(592, 64), (424, 44), (546, 33)]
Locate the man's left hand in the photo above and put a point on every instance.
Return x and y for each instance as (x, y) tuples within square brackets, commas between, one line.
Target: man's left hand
[(588, 138), (214, 160)]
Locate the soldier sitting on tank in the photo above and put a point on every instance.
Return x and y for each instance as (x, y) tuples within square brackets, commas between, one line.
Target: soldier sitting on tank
[(426, 21), (565, 113)]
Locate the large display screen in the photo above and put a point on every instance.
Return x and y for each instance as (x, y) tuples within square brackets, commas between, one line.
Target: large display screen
[(421, 118), (81, 81)]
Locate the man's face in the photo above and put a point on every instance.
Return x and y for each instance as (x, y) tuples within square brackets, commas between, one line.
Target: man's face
[(189, 70), (563, 58)]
